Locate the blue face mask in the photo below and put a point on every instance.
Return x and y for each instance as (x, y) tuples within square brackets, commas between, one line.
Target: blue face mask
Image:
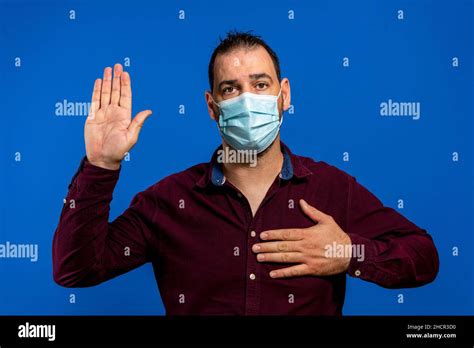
[(250, 121)]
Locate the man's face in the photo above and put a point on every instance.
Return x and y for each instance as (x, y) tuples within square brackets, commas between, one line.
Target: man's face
[(246, 70)]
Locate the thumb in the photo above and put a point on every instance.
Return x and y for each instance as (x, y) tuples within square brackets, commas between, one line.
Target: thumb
[(315, 214), (137, 123)]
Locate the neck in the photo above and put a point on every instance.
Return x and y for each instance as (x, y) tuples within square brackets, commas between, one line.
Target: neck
[(268, 166)]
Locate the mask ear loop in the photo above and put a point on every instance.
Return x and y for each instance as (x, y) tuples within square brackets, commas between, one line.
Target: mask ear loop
[(279, 93), (218, 116), (281, 120), (214, 101)]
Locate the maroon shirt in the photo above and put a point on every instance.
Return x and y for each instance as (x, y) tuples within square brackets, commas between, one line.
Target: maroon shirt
[(197, 230)]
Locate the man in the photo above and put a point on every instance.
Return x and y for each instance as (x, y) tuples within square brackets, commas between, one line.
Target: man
[(225, 237)]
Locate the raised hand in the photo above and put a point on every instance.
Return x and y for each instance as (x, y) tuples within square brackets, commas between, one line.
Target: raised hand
[(109, 131)]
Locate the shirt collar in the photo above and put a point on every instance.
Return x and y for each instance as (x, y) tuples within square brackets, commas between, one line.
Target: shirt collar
[(292, 167)]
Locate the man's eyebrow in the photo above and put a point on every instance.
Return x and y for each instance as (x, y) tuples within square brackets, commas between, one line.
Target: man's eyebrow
[(259, 76), (226, 82)]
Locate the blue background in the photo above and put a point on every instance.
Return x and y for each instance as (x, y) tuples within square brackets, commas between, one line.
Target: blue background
[(336, 109)]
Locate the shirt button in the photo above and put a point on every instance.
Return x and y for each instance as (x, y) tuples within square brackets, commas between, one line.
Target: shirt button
[(253, 234), (239, 194), (357, 273), (252, 276)]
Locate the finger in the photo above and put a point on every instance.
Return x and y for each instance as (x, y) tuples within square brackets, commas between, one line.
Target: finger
[(114, 99), (106, 87), (283, 234), (126, 91), (137, 124), (281, 257), (315, 214), (275, 247), (95, 102), (293, 271)]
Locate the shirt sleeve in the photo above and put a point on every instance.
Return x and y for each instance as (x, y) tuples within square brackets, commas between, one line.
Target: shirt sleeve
[(87, 248), (391, 251)]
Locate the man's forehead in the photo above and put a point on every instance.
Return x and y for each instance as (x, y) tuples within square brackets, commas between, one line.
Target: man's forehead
[(240, 63)]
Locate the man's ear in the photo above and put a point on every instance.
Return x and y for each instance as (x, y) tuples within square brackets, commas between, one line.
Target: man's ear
[(285, 93), (211, 108)]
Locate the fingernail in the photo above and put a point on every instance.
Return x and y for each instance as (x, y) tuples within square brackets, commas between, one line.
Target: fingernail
[(273, 274), (256, 247), (263, 235), (260, 257)]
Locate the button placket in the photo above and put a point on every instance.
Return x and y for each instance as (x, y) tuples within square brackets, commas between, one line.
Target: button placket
[(251, 306), (253, 267), (251, 274)]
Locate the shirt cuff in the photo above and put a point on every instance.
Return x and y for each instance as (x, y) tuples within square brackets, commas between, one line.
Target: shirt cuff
[(361, 264), (94, 179)]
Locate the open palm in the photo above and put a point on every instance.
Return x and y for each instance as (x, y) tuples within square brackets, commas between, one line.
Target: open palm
[(109, 131)]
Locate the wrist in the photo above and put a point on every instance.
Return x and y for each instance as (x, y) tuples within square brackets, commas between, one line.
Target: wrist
[(105, 165), (347, 257)]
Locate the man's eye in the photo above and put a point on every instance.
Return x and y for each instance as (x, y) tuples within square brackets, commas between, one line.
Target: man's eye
[(261, 85), (228, 90)]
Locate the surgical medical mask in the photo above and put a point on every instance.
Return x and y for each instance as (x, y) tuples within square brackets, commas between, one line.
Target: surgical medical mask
[(249, 121)]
